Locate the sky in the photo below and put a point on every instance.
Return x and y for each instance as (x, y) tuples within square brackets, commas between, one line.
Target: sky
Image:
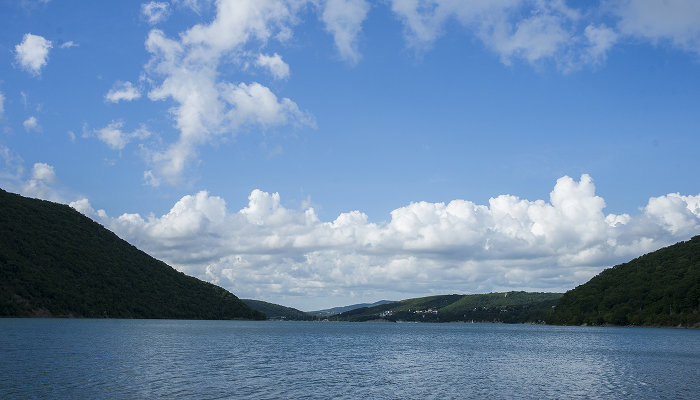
[(318, 153)]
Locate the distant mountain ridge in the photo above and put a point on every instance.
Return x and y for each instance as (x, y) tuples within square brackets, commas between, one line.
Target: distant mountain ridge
[(56, 262), (506, 307), (338, 310)]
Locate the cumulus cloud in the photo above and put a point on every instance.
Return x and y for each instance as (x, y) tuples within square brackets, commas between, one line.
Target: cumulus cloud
[(2, 105), (676, 21), (122, 91), (83, 206), (43, 172), (32, 53), (185, 70), (114, 137), (343, 19), (278, 68), (287, 255), (40, 183), (31, 124), (155, 11)]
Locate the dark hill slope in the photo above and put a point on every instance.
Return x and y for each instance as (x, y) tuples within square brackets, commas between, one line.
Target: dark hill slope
[(276, 311), (658, 289), (54, 261)]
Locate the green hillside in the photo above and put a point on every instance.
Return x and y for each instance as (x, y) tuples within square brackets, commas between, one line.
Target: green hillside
[(500, 299), (54, 261), (337, 310), (276, 311), (658, 289), (510, 307)]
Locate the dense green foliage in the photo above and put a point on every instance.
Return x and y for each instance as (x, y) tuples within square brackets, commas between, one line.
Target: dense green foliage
[(276, 311), (658, 289), (54, 261), (510, 307)]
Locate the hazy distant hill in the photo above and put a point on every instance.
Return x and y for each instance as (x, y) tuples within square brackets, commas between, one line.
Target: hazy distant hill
[(510, 307), (276, 311), (54, 261), (338, 310), (660, 288)]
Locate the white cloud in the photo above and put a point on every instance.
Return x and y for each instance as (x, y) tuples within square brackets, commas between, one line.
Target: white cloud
[(195, 5), (115, 138), (601, 40), (343, 19), (423, 19), (268, 250), (31, 124), (533, 38), (677, 21), (531, 30), (238, 21), (125, 91), (40, 183), (43, 172), (32, 53), (2, 105), (278, 68), (68, 44), (185, 70), (256, 104), (12, 168), (83, 206), (155, 11), (674, 212)]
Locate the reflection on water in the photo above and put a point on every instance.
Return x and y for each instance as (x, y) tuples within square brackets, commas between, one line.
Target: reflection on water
[(49, 358)]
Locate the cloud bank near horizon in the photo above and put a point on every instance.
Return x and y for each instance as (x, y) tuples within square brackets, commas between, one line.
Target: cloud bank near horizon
[(278, 254)]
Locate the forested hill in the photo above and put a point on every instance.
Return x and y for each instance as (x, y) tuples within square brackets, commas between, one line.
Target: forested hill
[(338, 310), (658, 289), (508, 307), (276, 311), (56, 262)]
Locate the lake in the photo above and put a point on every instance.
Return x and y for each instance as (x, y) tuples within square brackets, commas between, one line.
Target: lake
[(83, 358)]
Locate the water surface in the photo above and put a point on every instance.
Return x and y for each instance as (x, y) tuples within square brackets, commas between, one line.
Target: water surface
[(74, 358)]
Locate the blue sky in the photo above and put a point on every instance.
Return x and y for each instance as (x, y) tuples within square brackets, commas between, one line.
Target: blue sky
[(318, 153)]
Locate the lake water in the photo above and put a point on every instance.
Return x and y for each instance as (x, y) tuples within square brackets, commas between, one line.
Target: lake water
[(78, 358)]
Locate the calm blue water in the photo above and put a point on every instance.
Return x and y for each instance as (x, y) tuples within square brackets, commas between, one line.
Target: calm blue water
[(63, 358)]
